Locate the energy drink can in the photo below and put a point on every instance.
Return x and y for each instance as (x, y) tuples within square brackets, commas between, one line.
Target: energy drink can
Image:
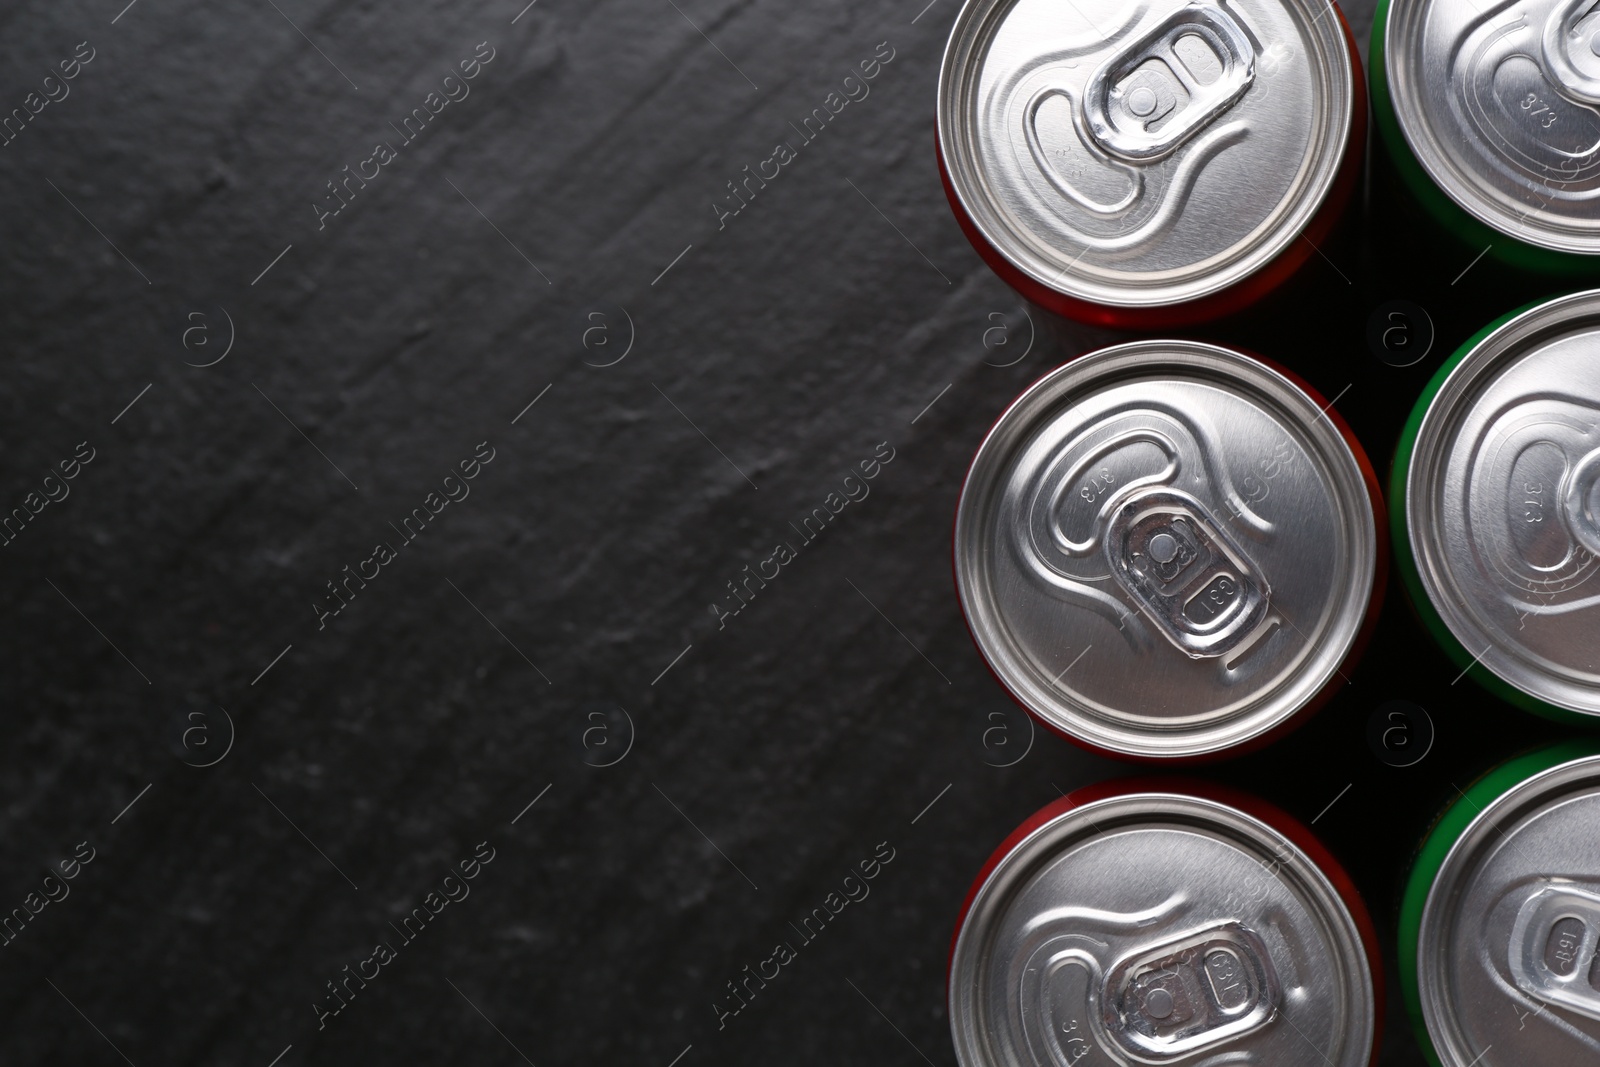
[(1163, 923), (1149, 164), (1496, 506), (1491, 112), (1501, 918), (1166, 550)]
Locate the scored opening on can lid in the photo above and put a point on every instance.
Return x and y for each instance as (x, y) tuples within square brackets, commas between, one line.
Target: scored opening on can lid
[(1165, 548), (1159, 928), (1502, 502), (1144, 154), (1506, 968), (1500, 103)]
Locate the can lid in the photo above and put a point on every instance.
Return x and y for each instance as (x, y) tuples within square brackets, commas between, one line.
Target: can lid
[(1503, 502), (1154, 928), (1141, 155), (1165, 549), (1500, 103), (1507, 971)]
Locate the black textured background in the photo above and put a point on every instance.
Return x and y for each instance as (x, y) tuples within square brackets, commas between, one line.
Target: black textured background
[(506, 255)]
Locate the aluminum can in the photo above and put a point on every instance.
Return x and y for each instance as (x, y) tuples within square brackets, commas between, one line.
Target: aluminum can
[(1163, 923), (1149, 164), (1169, 550), (1501, 919), (1491, 112), (1496, 503)]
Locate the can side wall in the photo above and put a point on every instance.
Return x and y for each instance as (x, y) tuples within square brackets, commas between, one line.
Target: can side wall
[(1446, 831), (1406, 562), (1455, 220)]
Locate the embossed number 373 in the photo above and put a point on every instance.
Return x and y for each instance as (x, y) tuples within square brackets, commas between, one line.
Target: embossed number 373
[(1532, 99), (1098, 484), (1533, 510)]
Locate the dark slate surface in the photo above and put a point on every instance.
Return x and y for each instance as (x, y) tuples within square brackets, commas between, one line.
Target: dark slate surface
[(696, 785)]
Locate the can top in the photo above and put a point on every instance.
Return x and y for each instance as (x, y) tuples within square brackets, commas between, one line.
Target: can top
[(1165, 548), (1153, 928), (1507, 971), (1499, 104), (1503, 502), (1144, 154)]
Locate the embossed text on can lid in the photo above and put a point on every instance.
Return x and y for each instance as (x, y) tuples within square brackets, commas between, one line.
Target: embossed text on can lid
[(1159, 928), (1503, 502), (1165, 549), (1507, 972), (1144, 154), (1500, 102)]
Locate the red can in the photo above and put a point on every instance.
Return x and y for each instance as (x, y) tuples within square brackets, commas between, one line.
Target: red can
[(1168, 550), (1155, 165), (1156, 921)]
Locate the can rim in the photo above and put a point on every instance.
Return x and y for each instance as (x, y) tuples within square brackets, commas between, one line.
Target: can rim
[(1509, 791), (1087, 812), (1347, 484), (966, 186), (1404, 17), (1434, 419)]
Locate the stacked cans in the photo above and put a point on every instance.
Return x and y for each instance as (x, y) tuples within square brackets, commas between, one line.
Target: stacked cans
[(1169, 551), (1491, 114), (1496, 487), (1164, 550)]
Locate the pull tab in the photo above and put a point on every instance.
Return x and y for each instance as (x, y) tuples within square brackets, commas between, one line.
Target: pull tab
[(1553, 945), (1171, 1000), (1572, 50), (1170, 83), (1186, 572), (1581, 501)]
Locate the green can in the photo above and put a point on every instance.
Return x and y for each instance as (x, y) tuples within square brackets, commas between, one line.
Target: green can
[(1491, 113), (1500, 922), (1495, 508)]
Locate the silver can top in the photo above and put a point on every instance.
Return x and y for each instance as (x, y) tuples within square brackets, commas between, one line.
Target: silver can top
[(1500, 102), (1506, 968), (1144, 154), (1165, 549), (1159, 928), (1503, 502)]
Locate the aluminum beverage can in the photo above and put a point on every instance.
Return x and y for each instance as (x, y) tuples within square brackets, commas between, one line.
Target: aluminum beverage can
[(1491, 113), (1163, 923), (1149, 164), (1501, 918), (1495, 496), (1169, 550)]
